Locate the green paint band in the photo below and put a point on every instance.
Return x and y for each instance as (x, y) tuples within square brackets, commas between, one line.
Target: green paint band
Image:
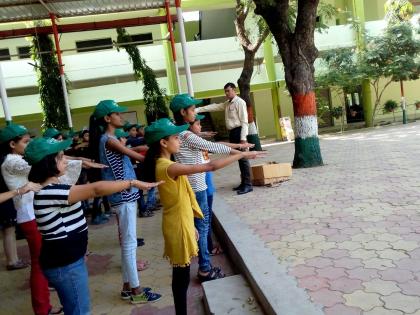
[(307, 153)]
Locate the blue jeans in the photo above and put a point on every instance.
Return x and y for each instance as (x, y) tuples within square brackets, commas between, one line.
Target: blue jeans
[(151, 199), (202, 226), (71, 283)]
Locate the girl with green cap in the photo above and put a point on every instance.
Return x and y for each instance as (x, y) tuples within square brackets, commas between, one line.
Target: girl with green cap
[(14, 171), (106, 149), (61, 221), (180, 206)]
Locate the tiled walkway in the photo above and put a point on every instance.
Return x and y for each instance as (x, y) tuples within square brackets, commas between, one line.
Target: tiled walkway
[(348, 231), (105, 277)]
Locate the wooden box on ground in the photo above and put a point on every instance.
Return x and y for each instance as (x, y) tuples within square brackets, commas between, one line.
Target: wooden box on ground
[(270, 173)]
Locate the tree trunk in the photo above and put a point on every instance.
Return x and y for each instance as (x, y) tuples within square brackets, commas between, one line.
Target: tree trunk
[(244, 84), (298, 53)]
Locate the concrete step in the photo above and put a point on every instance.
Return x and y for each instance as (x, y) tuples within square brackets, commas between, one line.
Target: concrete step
[(230, 296)]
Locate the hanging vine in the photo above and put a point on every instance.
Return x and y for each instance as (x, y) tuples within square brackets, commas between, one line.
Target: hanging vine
[(154, 96), (49, 83)]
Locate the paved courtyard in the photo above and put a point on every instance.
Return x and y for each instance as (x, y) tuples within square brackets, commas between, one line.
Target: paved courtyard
[(105, 276), (349, 232)]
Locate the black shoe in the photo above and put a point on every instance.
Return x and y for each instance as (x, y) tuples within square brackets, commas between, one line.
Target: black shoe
[(245, 190), (240, 187), (140, 242)]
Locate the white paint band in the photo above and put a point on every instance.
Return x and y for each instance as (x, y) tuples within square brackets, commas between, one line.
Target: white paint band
[(306, 127), (252, 129)]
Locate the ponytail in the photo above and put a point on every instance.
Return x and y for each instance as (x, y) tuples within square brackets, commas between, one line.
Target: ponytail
[(97, 128), (152, 154)]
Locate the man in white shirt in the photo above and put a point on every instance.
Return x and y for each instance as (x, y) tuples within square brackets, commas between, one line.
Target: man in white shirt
[(236, 117)]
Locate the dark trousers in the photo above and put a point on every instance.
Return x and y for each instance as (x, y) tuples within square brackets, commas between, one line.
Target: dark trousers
[(244, 166), (180, 283)]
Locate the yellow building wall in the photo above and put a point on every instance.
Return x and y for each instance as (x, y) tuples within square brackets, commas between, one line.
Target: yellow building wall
[(412, 93), (264, 113)]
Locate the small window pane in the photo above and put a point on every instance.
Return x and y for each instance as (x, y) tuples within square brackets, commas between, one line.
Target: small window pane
[(4, 54), (24, 52), (94, 44)]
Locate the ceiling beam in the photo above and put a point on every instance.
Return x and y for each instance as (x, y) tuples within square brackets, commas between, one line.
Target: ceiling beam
[(82, 27)]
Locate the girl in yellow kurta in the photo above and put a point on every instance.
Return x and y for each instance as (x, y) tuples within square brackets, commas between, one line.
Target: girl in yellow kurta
[(178, 200)]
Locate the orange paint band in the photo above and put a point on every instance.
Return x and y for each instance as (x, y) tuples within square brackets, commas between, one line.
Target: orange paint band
[(304, 105)]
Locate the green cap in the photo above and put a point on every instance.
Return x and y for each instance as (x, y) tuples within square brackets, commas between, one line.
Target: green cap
[(181, 101), (12, 131), (162, 128), (51, 133), (120, 133), (199, 117), (39, 148), (107, 107), (128, 126)]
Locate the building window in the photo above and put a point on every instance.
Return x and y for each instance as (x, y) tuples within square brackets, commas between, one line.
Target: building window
[(24, 52), (143, 39), (94, 44), (4, 54)]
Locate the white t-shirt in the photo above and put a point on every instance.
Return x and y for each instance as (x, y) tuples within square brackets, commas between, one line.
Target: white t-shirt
[(15, 171)]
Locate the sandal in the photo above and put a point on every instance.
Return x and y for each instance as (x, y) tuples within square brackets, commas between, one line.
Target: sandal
[(142, 265), (18, 265), (214, 273), (146, 214), (216, 251)]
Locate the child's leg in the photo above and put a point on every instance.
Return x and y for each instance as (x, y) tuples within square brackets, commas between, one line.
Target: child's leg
[(9, 245), (202, 226), (71, 283), (180, 283), (39, 285), (128, 240), (209, 239)]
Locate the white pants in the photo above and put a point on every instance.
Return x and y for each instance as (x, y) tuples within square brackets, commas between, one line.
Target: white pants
[(127, 220)]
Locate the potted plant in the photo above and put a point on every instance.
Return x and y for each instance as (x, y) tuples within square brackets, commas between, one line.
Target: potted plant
[(337, 113), (390, 106)]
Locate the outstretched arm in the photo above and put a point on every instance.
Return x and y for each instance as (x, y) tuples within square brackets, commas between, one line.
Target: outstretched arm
[(211, 108), (104, 188), (177, 169), (115, 145)]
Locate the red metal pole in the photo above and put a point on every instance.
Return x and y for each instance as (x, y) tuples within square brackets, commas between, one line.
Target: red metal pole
[(61, 69), (171, 33), (57, 43)]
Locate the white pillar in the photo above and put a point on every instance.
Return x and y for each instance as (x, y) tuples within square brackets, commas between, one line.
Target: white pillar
[(178, 79), (184, 50), (4, 99), (66, 100)]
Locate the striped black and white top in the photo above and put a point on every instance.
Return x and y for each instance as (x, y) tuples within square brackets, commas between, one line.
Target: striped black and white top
[(55, 217), (116, 163), (62, 226), (191, 152)]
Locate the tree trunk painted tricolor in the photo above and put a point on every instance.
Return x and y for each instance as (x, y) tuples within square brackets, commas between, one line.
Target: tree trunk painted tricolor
[(298, 52), (307, 150)]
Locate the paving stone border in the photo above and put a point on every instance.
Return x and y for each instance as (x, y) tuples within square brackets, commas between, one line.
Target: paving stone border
[(276, 290)]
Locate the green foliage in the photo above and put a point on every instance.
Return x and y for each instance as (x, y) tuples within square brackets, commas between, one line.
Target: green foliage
[(49, 83), (397, 11), (340, 70), (394, 55), (337, 112), (154, 96), (390, 106)]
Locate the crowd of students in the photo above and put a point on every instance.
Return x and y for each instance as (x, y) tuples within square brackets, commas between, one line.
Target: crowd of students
[(46, 184)]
